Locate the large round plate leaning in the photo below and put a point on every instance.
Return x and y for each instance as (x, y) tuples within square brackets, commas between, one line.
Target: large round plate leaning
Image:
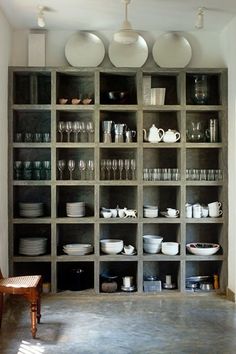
[(171, 50), (84, 49), (128, 55)]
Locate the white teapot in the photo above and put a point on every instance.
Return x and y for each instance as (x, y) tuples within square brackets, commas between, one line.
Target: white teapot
[(171, 136), (155, 134)]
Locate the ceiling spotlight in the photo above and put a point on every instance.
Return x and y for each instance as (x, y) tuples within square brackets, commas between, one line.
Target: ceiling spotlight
[(41, 20), (200, 18), (126, 35)]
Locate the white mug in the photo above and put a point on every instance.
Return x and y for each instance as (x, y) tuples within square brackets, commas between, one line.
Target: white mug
[(214, 209), (189, 210), (197, 211), (127, 281), (205, 211), (121, 213)]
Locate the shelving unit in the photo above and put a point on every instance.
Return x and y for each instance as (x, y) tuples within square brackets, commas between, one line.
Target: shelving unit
[(34, 107)]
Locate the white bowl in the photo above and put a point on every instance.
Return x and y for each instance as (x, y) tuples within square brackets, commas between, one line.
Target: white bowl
[(152, 248), (153, 239), (170, 248), (129, 249), (203, 249), (106, 214), (111, 246)]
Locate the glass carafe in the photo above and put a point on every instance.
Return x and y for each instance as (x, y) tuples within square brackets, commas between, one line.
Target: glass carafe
[(195, 132), (200, 89)]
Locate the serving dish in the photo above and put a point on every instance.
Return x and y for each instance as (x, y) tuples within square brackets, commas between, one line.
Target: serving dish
[(172, 50), (203, 249), (84, 49)]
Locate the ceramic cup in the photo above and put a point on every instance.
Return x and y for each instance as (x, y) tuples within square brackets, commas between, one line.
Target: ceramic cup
[(128, 281), (189, 210), (158, 96), (172, 212), (205, 211), (214, 209), (113, 213), (121, 213), (197, 211)]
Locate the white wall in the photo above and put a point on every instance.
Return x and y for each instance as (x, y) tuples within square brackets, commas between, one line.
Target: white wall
[(5, 45), (229, 51)]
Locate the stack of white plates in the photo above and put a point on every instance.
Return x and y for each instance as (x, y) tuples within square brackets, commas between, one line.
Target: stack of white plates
[(150, 211), (31, 210), (75, 210), (77, 249), (33, 246)]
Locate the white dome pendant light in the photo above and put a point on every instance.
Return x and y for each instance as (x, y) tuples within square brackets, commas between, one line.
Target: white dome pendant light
[(126, 35)]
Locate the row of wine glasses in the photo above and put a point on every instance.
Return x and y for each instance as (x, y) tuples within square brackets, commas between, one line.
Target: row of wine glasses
[(85, 169), (118, 169), (82, 131)]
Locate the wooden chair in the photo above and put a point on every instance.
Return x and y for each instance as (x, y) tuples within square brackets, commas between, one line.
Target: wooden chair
[(29, 286)]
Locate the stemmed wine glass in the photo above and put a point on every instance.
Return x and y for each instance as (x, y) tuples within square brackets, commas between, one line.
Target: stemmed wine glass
[(108, 168), (133, 168), (68, 129), (90, 167), (90, 131), (82, 169), (61, 164), (120, 167), (71, 167), (75, 129), (103, 169), (61, 128), (82, 130), (114, 165), (127, 167)]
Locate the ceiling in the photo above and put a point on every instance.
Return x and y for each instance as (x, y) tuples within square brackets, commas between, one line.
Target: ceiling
[(107, 15)]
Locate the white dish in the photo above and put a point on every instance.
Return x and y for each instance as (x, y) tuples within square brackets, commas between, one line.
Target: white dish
[(75, 215), (203, 249), (132, 55), (171, 50), (164, 213), (84, 49), (131, 254)]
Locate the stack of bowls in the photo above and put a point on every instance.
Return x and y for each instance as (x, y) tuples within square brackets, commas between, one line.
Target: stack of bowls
[(150, 211), (111, 246), (75, 210), (152, 243), (170, 248)]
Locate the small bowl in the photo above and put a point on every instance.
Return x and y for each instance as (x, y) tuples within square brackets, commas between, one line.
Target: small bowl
[(75, 100), (63, 100), (87, 100), (203, 249), (128, 249), (117, 96), (106, 214)]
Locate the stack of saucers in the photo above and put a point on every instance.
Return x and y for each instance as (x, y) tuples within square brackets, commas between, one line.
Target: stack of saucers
[(150, 211), (77, 249), (31, 210), (75, 210), (32, 246)]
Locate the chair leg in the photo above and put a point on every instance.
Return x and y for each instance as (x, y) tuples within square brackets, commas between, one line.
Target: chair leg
[(38, 309), (33, 319), (1, 308)]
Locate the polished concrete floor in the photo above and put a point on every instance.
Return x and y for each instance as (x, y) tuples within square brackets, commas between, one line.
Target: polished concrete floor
[(82, 324)]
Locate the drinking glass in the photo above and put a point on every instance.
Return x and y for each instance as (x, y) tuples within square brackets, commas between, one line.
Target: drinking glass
[(76, 129), (82, 169), (120, 167), (133, 168), (61, 164), (108, 168), (46, 170), (114, 165), (90, 131), (90, 167), (27, 170), (71, 167), (103, 169), (68, 129), (37, 170), (18, 169), (83, 133), (61, 129)]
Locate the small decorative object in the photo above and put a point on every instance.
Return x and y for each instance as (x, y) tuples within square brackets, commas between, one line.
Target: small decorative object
[(200, 89), (130, 213)]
